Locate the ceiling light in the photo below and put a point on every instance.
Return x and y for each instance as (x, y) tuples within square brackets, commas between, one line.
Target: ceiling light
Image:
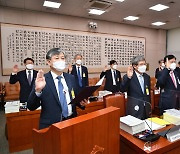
[(96, 11), (131, 18), (52, 4), (159, 7), (120, 0), (158, 23)]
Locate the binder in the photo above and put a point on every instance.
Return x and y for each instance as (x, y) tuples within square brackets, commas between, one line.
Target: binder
[(84, 94)]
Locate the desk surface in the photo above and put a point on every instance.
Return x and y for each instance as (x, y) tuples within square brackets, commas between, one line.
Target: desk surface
[(131, 144)]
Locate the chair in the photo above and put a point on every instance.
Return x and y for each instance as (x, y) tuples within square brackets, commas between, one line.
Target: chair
[(116, 100), (153, 83), (11, 91)]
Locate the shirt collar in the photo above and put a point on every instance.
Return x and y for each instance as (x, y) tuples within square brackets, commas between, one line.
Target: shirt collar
[(138, 74), (54, 75), (27, 71)]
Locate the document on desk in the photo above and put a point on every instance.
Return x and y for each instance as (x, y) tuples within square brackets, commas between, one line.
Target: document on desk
[(153, 125), (159, 121), (131, 124), (172, 116), (11, 107)]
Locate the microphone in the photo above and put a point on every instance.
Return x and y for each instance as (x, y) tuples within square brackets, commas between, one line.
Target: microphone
[(150, 137)]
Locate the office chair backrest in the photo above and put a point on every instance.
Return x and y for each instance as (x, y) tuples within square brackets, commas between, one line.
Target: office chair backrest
[(11, 91), (116, 100)]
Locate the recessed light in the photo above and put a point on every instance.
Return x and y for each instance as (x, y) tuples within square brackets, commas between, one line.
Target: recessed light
[(158, 23), (52, 4), (120, 0), (131, 18), (159, 7), (96, 11)]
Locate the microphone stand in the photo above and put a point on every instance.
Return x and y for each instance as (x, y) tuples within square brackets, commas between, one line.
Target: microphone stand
[(151, 137)]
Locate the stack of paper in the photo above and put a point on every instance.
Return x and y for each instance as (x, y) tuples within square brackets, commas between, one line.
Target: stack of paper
[(131, 124), (11, 107), (172, 116)]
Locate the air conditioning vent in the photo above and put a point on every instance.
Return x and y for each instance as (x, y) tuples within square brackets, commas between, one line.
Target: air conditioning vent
[(98, 4)]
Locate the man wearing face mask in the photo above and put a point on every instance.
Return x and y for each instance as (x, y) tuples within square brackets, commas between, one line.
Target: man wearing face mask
[(113, 77), (54, 91), (160, 68), (25, 78), (80, 72), (170, 85), (137, 85)]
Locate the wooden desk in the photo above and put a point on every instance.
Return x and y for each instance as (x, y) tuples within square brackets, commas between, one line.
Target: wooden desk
[(20, 125), (19, 129), (131, 145)]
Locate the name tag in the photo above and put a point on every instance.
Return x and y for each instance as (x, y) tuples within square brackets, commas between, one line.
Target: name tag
[(147, 91), (84, 75), (72, 93)]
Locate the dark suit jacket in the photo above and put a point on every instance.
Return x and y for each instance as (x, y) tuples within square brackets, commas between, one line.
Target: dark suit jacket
[(84, 74), (169, 93), (109, 81), (136, 96), (51, 111), (25, 88)]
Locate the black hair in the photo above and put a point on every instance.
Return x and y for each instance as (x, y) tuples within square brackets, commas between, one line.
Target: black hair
[(28, 59), (169, 57), (160, 61), (112, 62), (52, 52)]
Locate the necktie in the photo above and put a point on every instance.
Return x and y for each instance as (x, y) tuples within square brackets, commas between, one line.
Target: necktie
[(79, 77), (62, 98), (115, 75), (29, 77), (173, 79), (141, 82)]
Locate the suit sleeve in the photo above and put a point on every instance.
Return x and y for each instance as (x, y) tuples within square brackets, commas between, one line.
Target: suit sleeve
[(13, 79), (162, 77), (33, 101), (102, 74), (125, 83)]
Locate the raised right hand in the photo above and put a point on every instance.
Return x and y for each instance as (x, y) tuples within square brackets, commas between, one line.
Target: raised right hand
[(130, 72), (40, 81), (105, 68), (15, 69)]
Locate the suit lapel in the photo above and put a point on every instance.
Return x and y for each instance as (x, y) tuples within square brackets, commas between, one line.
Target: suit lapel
[(25, 77), (68, 82), (51, 84)]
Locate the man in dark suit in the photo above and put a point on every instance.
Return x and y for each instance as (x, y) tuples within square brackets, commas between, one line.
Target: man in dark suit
[(160, 68), (112, 76), (80, 72), (170, 85), (54, 91), (137, 84), (26, 78)]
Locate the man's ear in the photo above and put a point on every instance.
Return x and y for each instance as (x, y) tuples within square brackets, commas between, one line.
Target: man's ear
[(48, 62)]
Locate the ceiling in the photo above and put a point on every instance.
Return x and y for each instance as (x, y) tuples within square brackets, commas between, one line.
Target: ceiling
[(116, 13)]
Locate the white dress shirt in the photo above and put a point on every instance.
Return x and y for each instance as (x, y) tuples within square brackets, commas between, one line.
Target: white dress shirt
[(113, 77), (66, 90)]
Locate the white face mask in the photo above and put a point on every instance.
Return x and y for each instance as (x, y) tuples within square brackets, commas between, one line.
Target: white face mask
[(142, 68), (29, 66), (173, 66), (114, 67), (78, 62), (59, 65)]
